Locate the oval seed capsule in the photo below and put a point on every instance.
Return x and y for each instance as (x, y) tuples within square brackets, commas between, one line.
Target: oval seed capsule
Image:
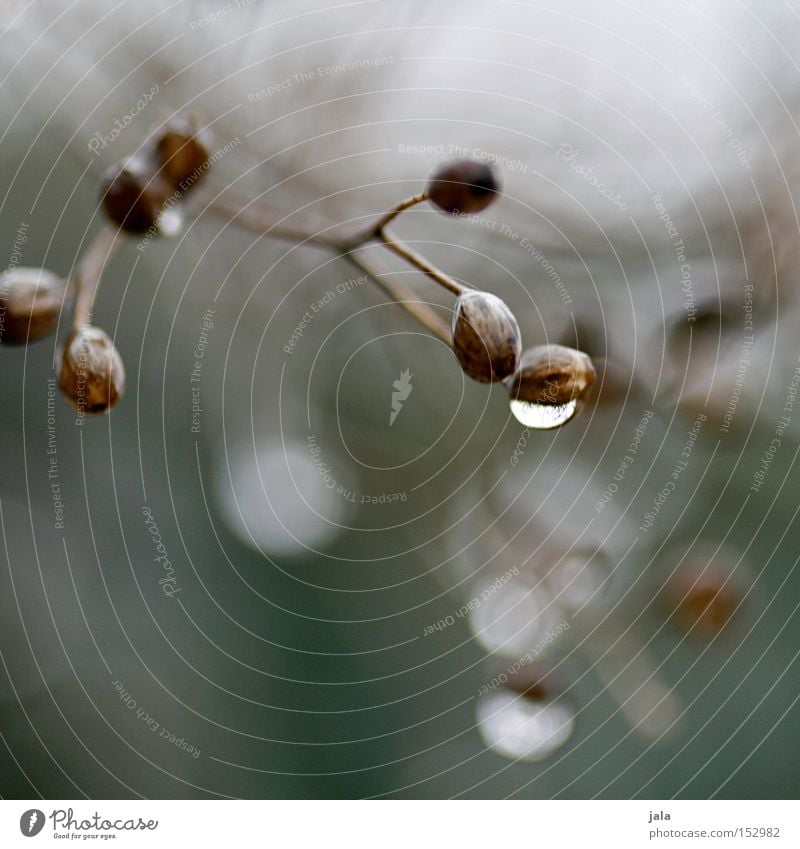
[(30, 301), (90, 370), (135, 197), (182, 151), (486, 337), (463, 187), (548, 386)]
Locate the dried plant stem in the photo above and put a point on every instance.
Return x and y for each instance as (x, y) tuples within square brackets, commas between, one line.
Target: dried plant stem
[(404, 297), (419, 262), (90, 269), (265, 220), (258, 217), (376, 230)]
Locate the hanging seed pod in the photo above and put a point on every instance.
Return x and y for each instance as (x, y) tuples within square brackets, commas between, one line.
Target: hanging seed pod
[(701, 597), (463, 187), (30, 300), (135, 197), (90, 370), (182, 151), (486, 337), (549, 385), (528, 718)]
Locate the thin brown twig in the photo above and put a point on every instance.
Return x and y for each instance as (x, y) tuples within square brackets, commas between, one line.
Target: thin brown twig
[(90, 269), (404, 297), (419, 262), (264, 220), (375, 231), (258, 217)]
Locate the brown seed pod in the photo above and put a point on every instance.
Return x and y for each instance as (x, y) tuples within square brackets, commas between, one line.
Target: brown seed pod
[(182, 151), (486, 337), (551, 375), (134, 195), (708, 609), (30, 300), (90, 370), (464, 186), (701, 596)]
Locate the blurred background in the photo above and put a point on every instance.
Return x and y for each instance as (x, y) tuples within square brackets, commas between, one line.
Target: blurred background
[(249, 580)]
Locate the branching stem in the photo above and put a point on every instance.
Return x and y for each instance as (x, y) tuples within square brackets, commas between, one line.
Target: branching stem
[(258, 217)]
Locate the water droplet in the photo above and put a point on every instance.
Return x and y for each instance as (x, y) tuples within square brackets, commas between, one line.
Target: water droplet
[(170, 222), (543, 416), (519, 727)]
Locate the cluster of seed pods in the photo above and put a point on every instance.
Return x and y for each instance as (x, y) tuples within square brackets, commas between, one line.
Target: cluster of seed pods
[(526, 716), (143, 194), (547, 384), (139, 195)]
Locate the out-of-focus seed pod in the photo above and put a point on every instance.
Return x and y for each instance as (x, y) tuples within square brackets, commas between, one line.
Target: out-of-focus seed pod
[(463, 187), (702, 596), (140, 194), (525, 717), (90, 370), (486, 337), (182, 151), (30, 300), (135, 197), (548, 386)]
